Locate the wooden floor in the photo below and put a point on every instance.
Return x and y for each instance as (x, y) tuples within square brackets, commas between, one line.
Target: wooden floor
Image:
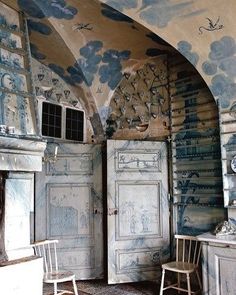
[(99, 287)]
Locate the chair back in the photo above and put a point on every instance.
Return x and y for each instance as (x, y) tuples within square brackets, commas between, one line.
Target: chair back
[(47, 249), (188, 249)]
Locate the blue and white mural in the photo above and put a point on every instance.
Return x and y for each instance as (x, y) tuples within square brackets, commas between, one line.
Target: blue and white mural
[(197, 188), (108, 65), (222, 67), (35, 52), (16, 106), (86, 67), (157, 13), (11, 59), (52, 8), (111, 70), (114, 15), (39, 27), (10, 40), (185, 48), (56, 90)]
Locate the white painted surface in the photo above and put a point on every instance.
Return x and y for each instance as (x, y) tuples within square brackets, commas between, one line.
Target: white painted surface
[(219, 263), (209, 237), (69, 208), (19, 189), (138, 210), (22, 278)]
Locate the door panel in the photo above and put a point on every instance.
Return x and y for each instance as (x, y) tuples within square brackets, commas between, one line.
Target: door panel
[(138, 210), (69, 207)]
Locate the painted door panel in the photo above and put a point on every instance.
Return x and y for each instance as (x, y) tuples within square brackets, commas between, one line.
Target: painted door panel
[(138, 210), (69, 207), (219, 263)]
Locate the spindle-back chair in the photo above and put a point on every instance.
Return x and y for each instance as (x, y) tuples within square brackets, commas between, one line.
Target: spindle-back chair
[(52, 275), (188, 251)]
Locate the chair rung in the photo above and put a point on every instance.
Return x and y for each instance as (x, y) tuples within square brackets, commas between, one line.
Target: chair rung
[(61, 292), (170, 286), (184, 290)]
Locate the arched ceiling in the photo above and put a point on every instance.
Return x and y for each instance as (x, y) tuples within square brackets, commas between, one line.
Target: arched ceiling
[(201, 30), (90, 44)]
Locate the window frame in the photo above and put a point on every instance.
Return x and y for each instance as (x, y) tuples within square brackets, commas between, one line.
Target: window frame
[(63, 121)]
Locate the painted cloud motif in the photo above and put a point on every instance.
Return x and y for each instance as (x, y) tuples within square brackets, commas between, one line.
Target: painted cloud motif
[(85, 68), (35, 52), (115, 15), (157, 12), (122, 4), (61, 72), (222, 58), (55, 8), (185, 48), (38, 27), (110, 72)]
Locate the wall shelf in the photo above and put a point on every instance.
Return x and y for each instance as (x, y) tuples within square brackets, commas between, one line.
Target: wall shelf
[(19, 51), (19, 93), (230, 174), (14, 69), (11, 30)]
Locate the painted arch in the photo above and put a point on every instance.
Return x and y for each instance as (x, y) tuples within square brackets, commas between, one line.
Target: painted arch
[(94, 56)]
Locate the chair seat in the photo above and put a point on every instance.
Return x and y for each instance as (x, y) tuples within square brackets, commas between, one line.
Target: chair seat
[(179, 266), (59, 276)]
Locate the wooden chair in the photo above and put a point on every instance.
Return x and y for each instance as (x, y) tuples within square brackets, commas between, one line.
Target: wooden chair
[(47, 250), (188, 251)]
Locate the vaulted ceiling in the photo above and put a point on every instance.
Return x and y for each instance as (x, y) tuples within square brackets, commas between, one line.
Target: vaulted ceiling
[(89, 44)]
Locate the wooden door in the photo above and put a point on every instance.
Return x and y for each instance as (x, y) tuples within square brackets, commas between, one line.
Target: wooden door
[(69, 207), (138, 210)]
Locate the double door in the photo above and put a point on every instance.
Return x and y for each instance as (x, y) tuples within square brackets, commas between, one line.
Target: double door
[(69, 207)]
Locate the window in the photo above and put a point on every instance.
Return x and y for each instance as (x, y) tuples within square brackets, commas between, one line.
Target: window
[(74, 124), (62, 122), (51, 120)]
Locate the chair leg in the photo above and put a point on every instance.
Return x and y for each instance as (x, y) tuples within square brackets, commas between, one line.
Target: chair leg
[(188, 284), (178, 276), (162, 282), (199, 280), (55, 288), (75, 287)]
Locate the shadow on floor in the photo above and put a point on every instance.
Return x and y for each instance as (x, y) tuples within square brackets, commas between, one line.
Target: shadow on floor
[(100, 287)]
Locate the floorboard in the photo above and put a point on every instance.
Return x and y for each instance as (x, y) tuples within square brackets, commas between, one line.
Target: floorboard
[(100, 287)]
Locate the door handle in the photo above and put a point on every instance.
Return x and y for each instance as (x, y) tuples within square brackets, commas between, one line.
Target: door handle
[(112, 211)]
